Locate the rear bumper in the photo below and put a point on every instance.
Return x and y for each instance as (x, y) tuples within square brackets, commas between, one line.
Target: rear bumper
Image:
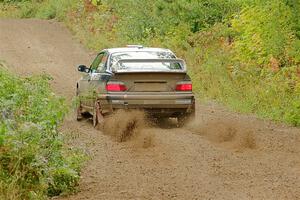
[(164, 103), (122, 96)]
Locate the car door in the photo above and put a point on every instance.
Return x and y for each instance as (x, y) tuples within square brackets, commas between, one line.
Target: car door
[(97, 78)]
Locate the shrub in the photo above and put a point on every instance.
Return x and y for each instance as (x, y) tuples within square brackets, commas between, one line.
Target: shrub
[(265, 33), (51, 9), (34, 161)]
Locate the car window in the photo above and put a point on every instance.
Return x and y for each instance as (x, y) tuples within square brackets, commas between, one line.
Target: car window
[(99, 64), (115, 57), (149, 66)]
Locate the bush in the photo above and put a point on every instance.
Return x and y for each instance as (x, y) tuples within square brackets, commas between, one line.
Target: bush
[(265, 33), (217, 74), (34, 161), (44, 9), (51, 9)]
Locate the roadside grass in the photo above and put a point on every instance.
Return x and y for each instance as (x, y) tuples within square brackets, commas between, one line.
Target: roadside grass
[(34, 160), (46, 9), (244, 88)]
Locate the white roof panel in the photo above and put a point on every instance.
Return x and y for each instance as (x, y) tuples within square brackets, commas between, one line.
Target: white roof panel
[(126, 49)]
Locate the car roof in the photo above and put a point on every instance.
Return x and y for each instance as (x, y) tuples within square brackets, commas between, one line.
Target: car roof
[(128, 49)]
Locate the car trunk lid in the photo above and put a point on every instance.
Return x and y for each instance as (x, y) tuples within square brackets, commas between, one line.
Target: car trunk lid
[(149, 81)]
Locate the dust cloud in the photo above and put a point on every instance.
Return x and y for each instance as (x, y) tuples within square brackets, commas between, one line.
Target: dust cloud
[(135, 125), (235, 135), (129, 125)]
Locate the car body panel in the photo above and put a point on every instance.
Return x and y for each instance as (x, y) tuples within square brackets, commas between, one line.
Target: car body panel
[(149, 82)]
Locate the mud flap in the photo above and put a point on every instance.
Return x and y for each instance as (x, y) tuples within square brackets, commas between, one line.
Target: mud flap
[(79, 112), (97, 114), (106, 106)]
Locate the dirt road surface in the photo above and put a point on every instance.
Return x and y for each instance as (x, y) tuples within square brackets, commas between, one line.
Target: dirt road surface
[(221, 155)]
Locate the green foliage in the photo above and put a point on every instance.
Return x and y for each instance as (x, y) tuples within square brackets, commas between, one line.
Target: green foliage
[(164, 19), (264, 32), (242, 87), (44, 9), (34, 162), (51, 9), (197, 14)]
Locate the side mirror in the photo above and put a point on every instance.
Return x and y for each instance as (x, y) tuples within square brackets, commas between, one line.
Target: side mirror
[(83, 68)]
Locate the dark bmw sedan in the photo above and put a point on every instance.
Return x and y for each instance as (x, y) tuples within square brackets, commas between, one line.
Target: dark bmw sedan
[(136, 77)]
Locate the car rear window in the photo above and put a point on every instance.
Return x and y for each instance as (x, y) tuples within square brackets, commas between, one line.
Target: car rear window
[(144, 66), (148, 66)]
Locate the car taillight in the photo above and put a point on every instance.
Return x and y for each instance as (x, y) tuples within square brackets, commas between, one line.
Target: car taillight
[(184, 87), (115, 87)]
